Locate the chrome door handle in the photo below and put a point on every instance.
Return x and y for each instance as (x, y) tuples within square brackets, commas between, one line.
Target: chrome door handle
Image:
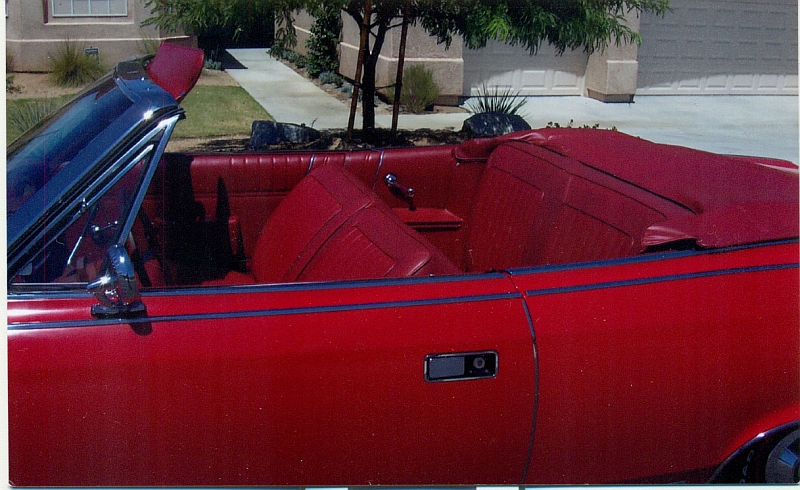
[(461, 366), (399, 190)]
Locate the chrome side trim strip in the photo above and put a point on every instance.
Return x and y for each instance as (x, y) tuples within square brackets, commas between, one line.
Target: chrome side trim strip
[(266, 313), (636, 259), (26, 292), (652, 280)]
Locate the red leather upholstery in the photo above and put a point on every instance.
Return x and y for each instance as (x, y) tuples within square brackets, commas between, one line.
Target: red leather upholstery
[(305, 219), (534, 207), (510, 194), (331, 227), (374, 243), (176, 68), (256, 183)]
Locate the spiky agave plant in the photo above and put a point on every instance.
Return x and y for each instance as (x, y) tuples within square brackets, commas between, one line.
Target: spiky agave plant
[(71, 67), (495, 99), (24, 116)]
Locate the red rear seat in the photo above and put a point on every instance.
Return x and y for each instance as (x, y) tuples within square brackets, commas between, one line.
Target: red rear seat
[(534, 207), (515, 196), (331, 227)]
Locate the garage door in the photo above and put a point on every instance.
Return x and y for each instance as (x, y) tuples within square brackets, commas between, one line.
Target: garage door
[(511, 67), (720, 47)]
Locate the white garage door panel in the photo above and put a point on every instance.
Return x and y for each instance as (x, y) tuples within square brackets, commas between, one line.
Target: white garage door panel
[(720, 47), (511, 67)]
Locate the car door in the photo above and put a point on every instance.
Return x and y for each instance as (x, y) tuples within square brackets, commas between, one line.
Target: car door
[(413, 381), (658, 368)]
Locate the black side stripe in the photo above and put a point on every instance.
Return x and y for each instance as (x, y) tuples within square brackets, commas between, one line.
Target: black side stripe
[(267, 313), (643, 258), (652, 280)]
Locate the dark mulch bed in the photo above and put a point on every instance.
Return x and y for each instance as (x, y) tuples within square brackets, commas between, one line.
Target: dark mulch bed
[(330, 140)]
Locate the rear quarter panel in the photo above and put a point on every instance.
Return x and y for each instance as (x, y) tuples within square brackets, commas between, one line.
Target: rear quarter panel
[(656, 369)]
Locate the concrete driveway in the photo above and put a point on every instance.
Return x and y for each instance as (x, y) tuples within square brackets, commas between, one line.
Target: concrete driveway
[(744, 125)]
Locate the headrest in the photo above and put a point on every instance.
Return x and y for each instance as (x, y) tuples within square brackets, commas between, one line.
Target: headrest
[(176, 68)]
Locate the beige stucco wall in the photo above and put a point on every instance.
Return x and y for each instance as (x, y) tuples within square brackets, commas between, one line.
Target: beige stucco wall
[(302, 28), (30, 41), (611, 75), (447, 64)]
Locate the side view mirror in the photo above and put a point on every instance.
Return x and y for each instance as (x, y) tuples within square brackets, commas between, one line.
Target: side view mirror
[(117, 291)]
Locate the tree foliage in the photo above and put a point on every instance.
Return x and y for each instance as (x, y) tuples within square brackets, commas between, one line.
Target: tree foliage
[(214, 22), (193, 16), (590, 25), (566, 24)]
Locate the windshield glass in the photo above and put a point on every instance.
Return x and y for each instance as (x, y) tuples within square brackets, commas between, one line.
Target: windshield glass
[(45, 149)]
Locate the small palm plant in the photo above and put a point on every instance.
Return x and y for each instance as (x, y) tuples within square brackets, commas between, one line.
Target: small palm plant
[(24, 116), (71, 67)]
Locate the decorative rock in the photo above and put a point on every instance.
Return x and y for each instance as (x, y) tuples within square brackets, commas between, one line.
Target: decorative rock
[(268, 133), (494, 124)]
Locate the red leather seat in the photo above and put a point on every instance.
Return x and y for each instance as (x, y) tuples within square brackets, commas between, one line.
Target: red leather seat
[(331, 227), (509, 208)]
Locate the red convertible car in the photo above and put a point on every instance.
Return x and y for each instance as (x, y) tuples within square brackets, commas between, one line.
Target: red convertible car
[(546, 307)]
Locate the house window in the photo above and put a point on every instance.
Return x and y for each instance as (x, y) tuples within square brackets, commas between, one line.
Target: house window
[(93, 8)]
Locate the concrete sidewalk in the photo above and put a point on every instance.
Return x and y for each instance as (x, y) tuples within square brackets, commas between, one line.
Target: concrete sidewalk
[(744, 125)]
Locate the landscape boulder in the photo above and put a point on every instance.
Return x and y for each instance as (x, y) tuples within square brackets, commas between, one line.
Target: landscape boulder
[(269, 133), (493, 124)]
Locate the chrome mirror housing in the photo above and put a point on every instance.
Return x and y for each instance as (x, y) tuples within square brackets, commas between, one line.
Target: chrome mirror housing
[(117, 290)]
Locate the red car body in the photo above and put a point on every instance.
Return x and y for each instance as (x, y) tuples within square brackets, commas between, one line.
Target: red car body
[(580, 306)]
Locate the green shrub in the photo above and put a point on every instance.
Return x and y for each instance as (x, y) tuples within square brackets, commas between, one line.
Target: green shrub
[(322, 53), (25, 115), (419, 90), (331, 78), (502, 101), (212, 65), (301, 61), (70, 67), (10, 87), (278, 52), (296, 58), (147, 45)]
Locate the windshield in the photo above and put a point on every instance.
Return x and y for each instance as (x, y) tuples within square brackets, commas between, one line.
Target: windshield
[(39, 154)]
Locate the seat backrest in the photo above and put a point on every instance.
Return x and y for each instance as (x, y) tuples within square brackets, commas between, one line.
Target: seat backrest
[(512, 201), (534, 207), (176, 68), (331, 227)]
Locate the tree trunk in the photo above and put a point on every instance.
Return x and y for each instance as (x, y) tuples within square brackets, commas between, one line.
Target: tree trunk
[(368, 78)]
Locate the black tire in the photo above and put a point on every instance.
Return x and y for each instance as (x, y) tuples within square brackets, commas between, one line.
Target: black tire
[(772, 457)]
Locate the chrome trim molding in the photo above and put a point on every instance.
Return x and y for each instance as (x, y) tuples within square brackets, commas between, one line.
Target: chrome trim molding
[(657, 279), (269, 313)]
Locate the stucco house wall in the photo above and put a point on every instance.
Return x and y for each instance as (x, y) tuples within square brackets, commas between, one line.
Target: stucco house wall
[(687, 52), (609, 73), (446, 64), (35, 30)]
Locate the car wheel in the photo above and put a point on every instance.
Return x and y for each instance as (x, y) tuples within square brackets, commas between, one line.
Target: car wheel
[(772, 457), (783, 462)]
